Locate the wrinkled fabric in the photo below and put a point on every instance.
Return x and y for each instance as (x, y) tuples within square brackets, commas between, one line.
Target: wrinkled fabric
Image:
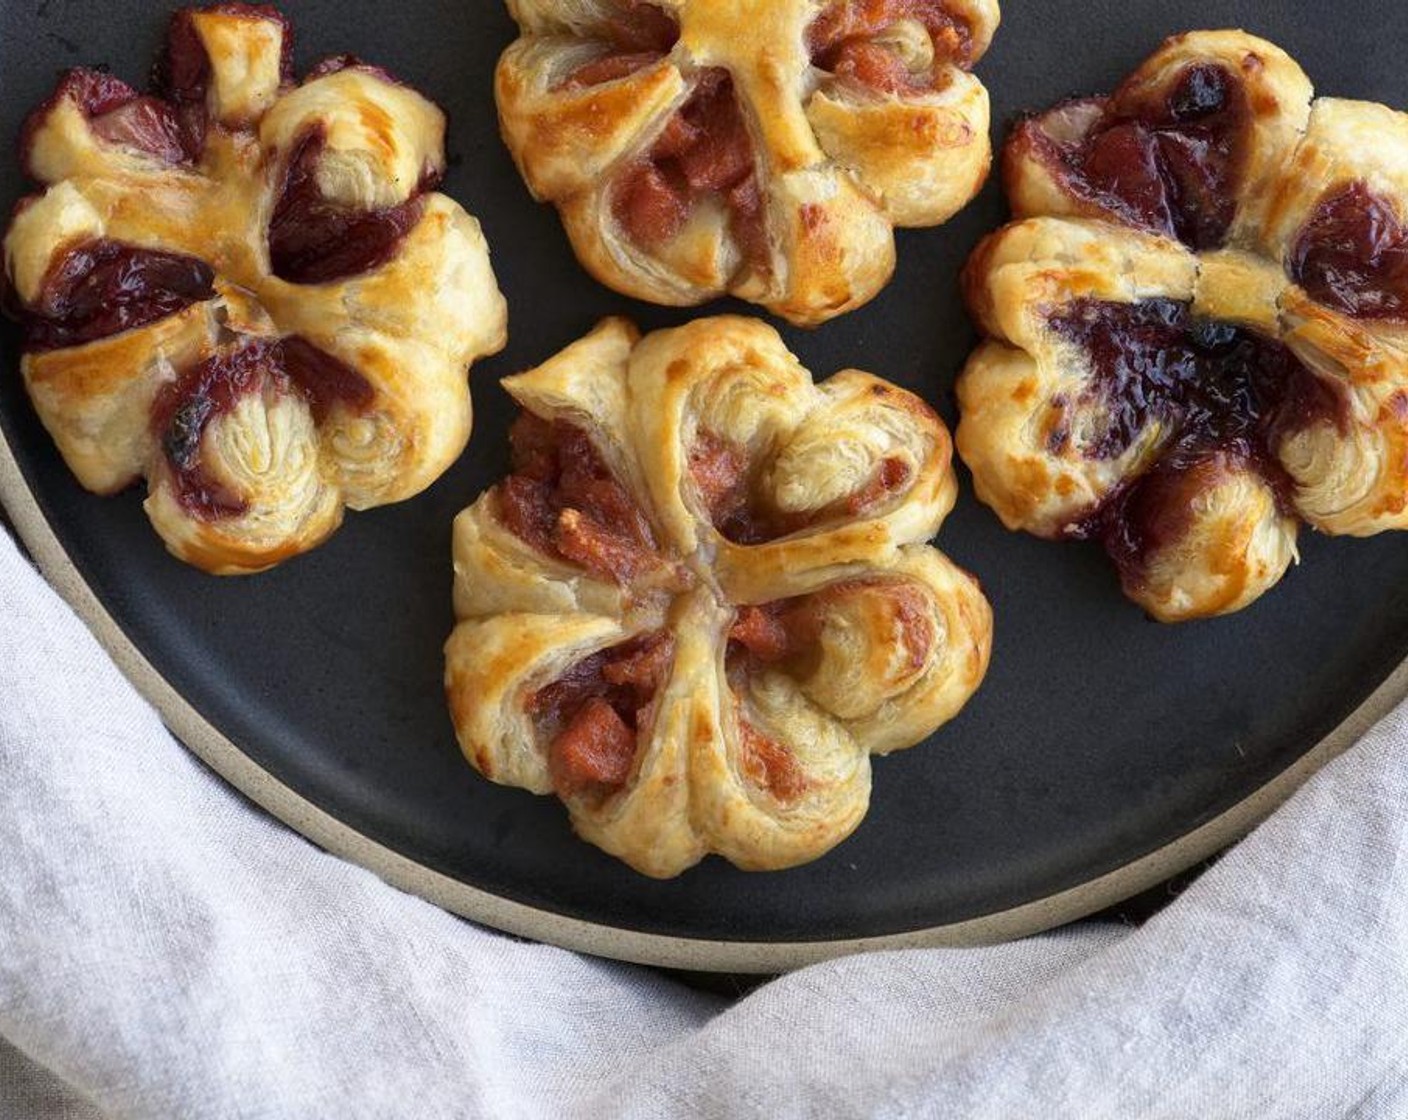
[(167, 950)]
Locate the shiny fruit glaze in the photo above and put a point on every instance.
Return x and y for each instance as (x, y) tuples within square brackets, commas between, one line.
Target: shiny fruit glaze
[(1352, 255), (1227, 396), (313, 240), (100, 288), (1168, 164)]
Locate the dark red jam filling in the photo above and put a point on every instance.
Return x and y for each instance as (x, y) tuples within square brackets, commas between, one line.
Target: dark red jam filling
[(1168, 164), (313, 240), (564, 501), (723, 479), (591, 715), (1221, 386), (640, 36), (185, 408), (116, 112), (704, 152), (1157, 511), (325, 382), (842, 41), (102, 288), (169, 126), (1352, 255), (1229, 394), (183, 72)]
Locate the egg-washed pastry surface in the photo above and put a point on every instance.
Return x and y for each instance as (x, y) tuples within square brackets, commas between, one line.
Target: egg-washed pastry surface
[(245, 289), (1198, 328), (760, 148), (702, 598)]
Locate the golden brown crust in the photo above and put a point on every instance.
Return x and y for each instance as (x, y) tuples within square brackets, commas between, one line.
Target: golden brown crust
[(838, 163), (407, 328), (1030, 418), (888, 639)]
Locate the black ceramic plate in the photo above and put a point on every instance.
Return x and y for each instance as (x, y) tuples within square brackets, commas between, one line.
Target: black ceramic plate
[(1103, 751)]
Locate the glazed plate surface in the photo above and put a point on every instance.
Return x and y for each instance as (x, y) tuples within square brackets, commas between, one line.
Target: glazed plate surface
[(1103, 753)]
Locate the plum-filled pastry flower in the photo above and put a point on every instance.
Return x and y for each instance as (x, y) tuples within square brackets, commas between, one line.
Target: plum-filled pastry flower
[(703, 598), (1198, 328), (245, 289), (760, 148)]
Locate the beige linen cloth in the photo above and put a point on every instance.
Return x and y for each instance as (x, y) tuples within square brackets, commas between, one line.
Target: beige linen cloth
[(168, 951)]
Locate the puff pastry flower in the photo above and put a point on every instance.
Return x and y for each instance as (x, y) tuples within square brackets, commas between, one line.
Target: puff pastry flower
[(1197, 329), (702, 599), (764, 149), (244, 289)]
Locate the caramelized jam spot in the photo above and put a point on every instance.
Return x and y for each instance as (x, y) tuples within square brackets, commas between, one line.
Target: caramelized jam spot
[(185, 408)]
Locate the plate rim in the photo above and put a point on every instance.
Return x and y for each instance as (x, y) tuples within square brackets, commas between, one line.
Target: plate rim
[(203, 739)]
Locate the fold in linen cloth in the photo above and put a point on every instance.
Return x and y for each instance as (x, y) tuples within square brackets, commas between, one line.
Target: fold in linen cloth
[(168, 951)]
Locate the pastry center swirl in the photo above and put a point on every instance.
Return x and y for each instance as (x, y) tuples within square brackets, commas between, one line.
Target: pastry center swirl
[(1216, 396), (563, 499)]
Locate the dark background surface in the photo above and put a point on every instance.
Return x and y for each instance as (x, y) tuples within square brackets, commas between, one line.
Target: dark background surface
[(1098, 737)]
